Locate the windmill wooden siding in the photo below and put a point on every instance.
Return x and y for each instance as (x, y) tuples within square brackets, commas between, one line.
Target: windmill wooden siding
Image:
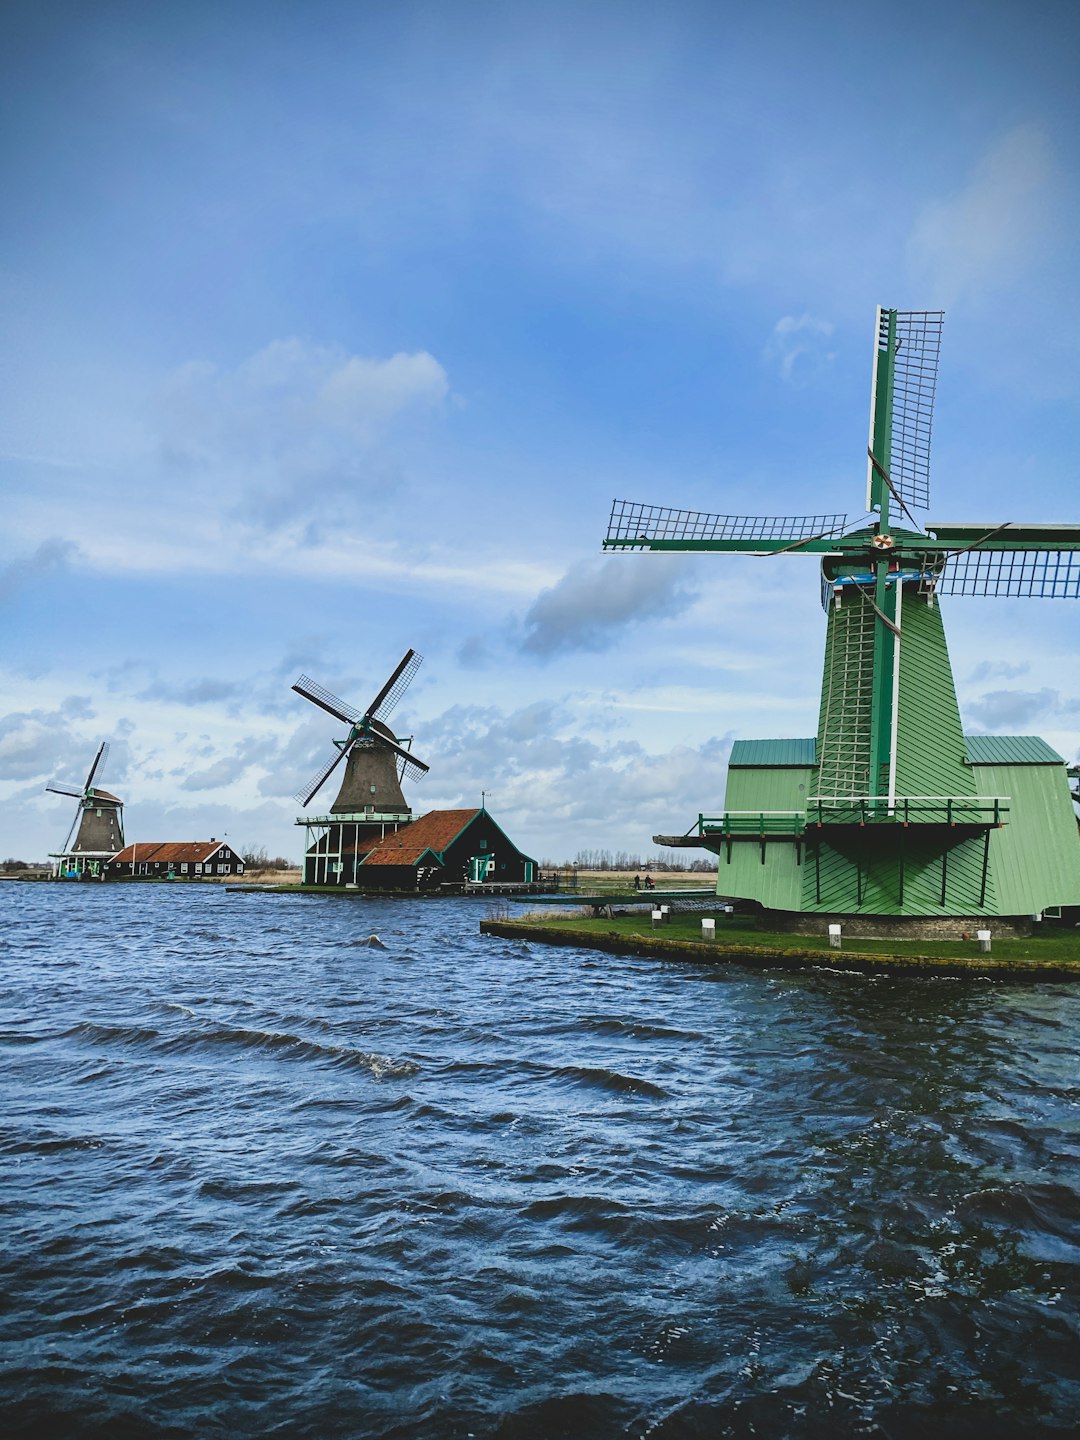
[(1035, 856), (931, 752), (767, 775), (1031, 863)]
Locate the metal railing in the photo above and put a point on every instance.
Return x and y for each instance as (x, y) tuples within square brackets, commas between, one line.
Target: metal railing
[(753, 823), (907, 810), (822, 810)]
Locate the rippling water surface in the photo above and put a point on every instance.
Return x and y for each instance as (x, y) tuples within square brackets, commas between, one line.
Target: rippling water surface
[(262, 1179)]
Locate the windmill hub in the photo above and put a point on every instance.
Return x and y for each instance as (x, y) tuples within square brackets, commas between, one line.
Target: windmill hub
[(883, 542)]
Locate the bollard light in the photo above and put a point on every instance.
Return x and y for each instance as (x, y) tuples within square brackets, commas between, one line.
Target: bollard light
[(708, 929), (983, 937), (657, 919), (834, 936)]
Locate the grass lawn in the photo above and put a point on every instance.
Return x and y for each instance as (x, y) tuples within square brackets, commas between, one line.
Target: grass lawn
[(1047, 944)]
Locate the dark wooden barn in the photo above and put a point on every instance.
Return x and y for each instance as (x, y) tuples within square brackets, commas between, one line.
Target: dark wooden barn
[(446, 847), (176, 860)]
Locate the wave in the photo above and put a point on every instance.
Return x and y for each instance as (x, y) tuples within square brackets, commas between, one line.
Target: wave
[(605, 1079), (210, 1034), (639, 1029), (134, 1035), (286, 1045)]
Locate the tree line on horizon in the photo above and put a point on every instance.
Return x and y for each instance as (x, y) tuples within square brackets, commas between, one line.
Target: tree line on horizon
[(662, 860)]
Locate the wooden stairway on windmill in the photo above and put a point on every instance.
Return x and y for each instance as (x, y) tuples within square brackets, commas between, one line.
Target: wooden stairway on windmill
[(890, 810)]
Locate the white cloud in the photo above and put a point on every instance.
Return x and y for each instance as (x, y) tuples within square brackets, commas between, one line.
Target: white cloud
[(596, 599), (361, 394), (799, 348), (979, 238), (44, 744), (550, 770), (293, 404), (48, 559), (998, 670), (1013, 709)]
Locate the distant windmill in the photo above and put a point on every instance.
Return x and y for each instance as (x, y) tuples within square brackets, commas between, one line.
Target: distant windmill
[(896, 812), (370, 748), (369, 801), (99, 820)]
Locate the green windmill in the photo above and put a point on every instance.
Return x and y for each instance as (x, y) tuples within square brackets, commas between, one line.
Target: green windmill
[(890, 810)]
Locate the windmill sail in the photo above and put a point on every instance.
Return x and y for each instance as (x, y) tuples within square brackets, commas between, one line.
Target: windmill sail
[(633, 526), (315, 784), (396, 686), (326, 700), (1045, 574), (412, 768), (99, 759), (906, 354)]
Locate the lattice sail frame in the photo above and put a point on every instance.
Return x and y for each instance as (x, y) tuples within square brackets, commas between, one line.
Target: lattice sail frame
[(404, 678), (914, 384), (1044, 574), (632, 522), (333, 704), (307, 792)]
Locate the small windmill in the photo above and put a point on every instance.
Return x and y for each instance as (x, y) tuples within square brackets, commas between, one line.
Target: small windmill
[(893, 806), (99, 820)]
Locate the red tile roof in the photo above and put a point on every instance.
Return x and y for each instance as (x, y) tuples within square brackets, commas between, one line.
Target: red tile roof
[(433, 831), (145, 851)]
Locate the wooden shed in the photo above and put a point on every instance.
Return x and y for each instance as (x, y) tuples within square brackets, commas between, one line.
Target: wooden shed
[(446, 847)]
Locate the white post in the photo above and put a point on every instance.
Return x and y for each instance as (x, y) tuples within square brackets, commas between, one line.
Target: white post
[(834, 936), (665, 914), (983, 937), (708, 929), (657, 919)]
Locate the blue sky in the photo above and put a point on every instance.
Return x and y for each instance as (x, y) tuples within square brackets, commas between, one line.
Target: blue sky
[(334, 329)]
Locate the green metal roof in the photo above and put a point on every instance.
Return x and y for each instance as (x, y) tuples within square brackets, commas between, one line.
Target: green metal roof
[(774, 752), (1010, 750)]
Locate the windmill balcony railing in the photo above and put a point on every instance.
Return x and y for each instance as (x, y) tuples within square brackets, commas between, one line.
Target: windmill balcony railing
[(983, 811), (753, 824)]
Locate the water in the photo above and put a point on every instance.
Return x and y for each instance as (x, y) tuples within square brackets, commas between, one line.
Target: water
[(260, 1179)]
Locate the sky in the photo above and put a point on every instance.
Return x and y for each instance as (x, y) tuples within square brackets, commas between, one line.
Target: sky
[(333, 330)]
